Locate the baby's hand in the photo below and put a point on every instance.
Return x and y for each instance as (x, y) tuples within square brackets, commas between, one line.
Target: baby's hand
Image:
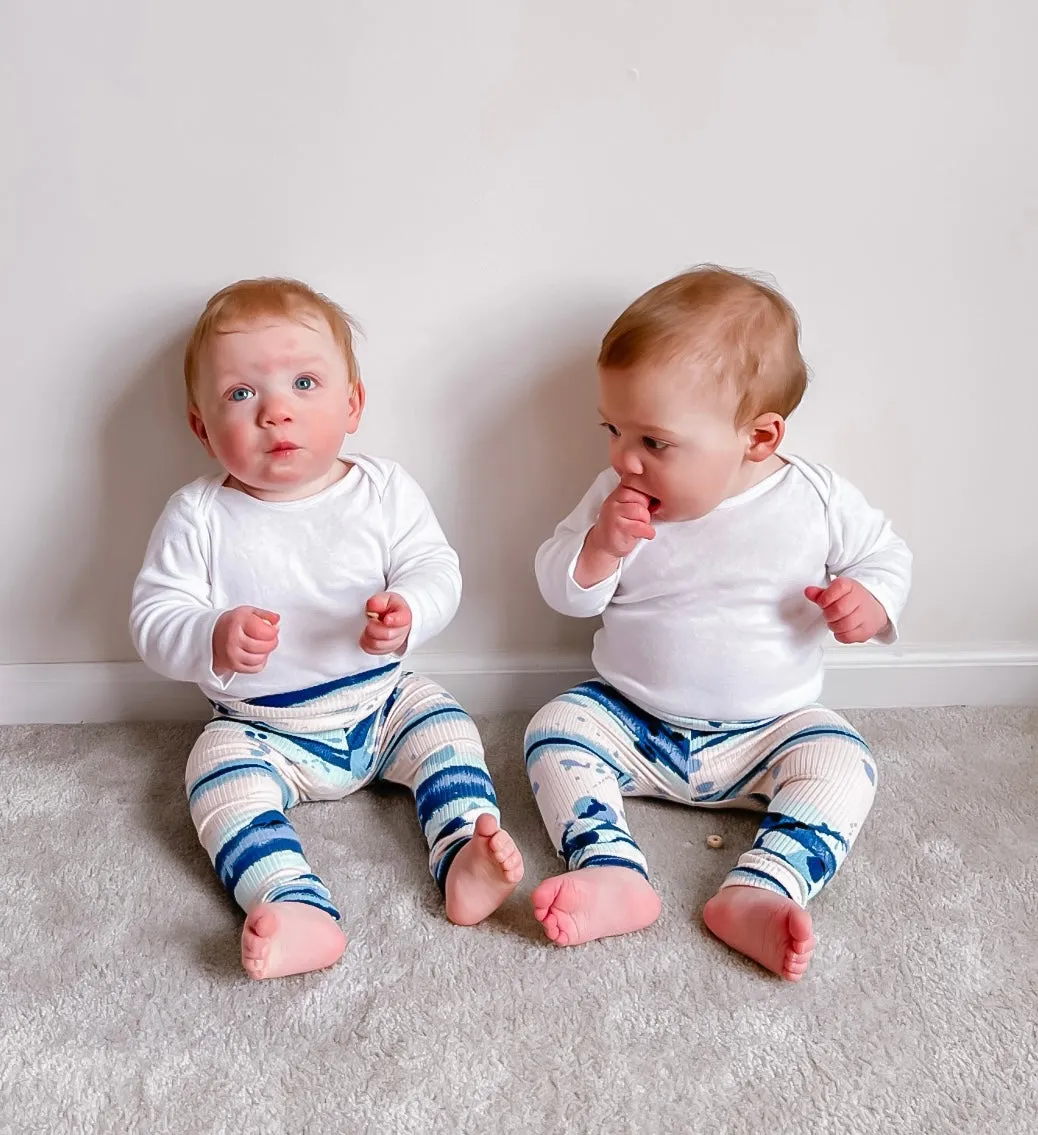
[(389, 623), (851, 611), (623, 520), (242, 640)]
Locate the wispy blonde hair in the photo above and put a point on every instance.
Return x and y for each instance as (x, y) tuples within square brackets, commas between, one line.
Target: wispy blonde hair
[(737, 329), (248, 300)]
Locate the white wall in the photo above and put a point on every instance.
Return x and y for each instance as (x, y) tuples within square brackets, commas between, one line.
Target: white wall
[(485, 185)]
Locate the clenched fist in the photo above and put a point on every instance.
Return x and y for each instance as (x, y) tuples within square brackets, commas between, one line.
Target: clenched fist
[(389, 623), (243, 638), (623, 520), (851, 611)]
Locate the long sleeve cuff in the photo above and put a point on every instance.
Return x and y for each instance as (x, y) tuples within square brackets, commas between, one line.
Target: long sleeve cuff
[(889, 598), (555, 567), (432, 608), (179, 645), (589, 601)]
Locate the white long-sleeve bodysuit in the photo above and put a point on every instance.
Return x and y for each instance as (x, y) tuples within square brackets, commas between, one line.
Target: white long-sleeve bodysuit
[(709, 620), (323, 719), (711, 657), (314, 561)]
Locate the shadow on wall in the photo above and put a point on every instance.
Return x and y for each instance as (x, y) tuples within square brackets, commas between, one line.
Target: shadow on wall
[(147, 453), (537, 446)]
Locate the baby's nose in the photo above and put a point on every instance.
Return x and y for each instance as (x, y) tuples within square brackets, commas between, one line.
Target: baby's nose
[(275, 410), (627, 461)]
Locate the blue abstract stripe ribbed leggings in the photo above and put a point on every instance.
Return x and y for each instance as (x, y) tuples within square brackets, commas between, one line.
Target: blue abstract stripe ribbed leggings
[(809, 772), (256, 759)]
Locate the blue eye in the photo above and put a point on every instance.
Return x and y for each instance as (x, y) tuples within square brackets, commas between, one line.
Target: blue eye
[(304, 382), (240, 394)]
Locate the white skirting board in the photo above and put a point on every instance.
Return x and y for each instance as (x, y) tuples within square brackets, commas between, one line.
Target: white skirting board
[(856, 678)]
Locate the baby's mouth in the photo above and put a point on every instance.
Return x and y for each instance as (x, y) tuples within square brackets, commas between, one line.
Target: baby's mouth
[(654, 504)]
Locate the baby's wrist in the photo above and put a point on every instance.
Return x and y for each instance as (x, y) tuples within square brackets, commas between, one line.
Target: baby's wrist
[(597, 543), (594, 564)]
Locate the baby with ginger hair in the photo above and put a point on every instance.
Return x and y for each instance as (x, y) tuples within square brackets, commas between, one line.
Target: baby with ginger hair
[(718, 565), (291, 587)]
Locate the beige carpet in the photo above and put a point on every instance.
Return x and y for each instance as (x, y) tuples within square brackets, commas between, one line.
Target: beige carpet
[(123, 1007)]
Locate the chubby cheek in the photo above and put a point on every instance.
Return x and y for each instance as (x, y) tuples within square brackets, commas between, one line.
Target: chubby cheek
[(698, 487), (330, 431), (324, 431), (232, 443)]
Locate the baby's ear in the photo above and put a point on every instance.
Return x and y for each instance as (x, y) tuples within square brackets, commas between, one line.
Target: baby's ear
[(358, 397), (765, 436), (194, 420)]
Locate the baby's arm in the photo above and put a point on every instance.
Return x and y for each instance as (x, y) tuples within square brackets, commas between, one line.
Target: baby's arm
[(423, 569), (173, 624), (578, 568), (870, 565)]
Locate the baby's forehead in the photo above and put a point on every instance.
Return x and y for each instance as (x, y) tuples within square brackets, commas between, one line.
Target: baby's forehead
[(302, 325), (669, 386), (274, 338)]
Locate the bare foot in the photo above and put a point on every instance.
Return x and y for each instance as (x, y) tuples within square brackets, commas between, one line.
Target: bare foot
[(282, 938), (484, 873), (765, 926), (594, 902)]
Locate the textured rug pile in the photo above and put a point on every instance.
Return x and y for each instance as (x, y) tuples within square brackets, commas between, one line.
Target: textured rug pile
[(124, 1007)]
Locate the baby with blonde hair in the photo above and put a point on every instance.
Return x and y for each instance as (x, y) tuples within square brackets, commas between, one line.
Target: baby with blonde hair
[(291, 587)]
